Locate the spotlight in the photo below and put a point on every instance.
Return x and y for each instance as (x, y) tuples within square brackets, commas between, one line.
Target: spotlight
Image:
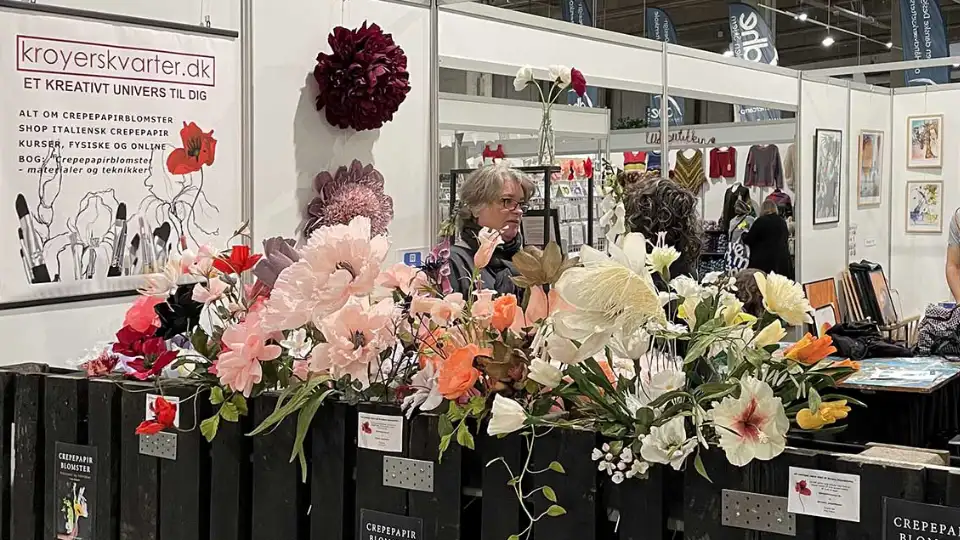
[(828, 41), (728, 53), (802, 16), (889, 44)]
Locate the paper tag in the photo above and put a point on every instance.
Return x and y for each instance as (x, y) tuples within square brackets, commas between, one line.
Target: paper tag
[(380, 432), (151, 398), (824, 494)]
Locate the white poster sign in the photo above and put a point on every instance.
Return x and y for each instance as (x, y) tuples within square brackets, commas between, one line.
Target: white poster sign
[(119, 147)]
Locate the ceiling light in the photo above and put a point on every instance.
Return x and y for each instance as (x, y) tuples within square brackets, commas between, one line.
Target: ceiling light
[(956, 65), (828, 41), (728, 53), (802, 16)]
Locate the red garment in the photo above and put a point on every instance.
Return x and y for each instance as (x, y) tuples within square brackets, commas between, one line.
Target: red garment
[(630, 158), (723, 163), (490, 156)]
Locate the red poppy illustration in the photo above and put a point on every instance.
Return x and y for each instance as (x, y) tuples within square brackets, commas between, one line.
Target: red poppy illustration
[(802, 488), (239, 261), (164, 414), (199, 149), (366, 428)]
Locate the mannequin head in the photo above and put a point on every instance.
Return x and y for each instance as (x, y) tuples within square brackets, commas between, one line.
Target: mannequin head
[(495, 196)]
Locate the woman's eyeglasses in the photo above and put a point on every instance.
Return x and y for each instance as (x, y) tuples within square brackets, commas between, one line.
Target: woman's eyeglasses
[(511, 205)]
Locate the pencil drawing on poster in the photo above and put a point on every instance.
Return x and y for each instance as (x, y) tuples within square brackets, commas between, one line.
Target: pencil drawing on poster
[(826, 181)]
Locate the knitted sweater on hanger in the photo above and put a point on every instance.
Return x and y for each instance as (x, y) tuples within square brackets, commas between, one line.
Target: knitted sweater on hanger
[(689, 171)]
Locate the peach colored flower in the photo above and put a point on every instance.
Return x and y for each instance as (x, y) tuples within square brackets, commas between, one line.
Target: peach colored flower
[(489, 240), (199, 263), (301, 369), (482, 308), (141, 315), (447, 310), (211, 293), (399, 276), (356, 335), (420, 304), (457, 372), (504, 312), (337, 263), (244, 347)]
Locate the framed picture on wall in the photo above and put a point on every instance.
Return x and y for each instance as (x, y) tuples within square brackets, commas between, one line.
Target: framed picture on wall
[(924, 206), (869, 168), (826, 178), (925, 144)]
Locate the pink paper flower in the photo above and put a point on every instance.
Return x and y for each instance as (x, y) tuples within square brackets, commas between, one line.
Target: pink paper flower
[(199, 263), (420, 304), (211, 293), (482, 308), (141, 315), (338, 262), (245, 347), (355, 336), (489, 240), (399, 276), (445, 311)]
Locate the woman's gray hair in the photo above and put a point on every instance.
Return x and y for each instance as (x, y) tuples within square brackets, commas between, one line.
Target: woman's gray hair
[(485, 186)]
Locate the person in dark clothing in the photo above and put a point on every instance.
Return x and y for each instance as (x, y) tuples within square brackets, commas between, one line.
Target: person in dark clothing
[(768, 240), (494, 197)]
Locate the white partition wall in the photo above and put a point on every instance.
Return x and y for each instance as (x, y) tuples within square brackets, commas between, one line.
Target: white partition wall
[(870, 113), (293, 142), (822, 248), (917, 263)]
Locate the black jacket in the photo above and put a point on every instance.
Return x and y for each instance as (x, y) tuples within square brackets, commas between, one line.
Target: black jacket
[(495, 275), (768, 240)]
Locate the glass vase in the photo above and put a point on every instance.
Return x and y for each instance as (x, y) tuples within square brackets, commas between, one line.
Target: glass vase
[(547, 148)]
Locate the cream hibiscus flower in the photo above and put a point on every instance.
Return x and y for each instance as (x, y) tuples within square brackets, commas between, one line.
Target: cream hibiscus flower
[(753, 426), (668, 444), (784, 298)]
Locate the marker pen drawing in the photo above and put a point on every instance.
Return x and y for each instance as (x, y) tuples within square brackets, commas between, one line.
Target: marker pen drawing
[(76, 255), (148, 257), (31, 242), (26, 266), (160, 237), (119, 241), (134, 257)]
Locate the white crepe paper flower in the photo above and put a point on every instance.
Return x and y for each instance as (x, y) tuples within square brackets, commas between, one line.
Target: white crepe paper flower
[(668, 444), (753, 426), (523, 78), (506, 416), (784, 298), (561, 74)]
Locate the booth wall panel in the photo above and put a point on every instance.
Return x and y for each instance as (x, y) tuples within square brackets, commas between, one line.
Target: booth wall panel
[(917, 263), (293, 142), (870, 111), (823, 251), (510, 116), (728, 81), (222, 13)]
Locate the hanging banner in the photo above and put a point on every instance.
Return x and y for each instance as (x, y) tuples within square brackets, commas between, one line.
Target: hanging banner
[(751, 39), (577, 12), (923, 37), (119, 147), (659, 27)]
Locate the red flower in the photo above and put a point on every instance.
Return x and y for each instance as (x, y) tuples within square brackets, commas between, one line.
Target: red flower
[(802, 488), (363, 80), (239, 261), (164, 413), (199, 149), (101, 365), (150, 353), (130, 340), (588, 168), (366, 428), (578, 82)]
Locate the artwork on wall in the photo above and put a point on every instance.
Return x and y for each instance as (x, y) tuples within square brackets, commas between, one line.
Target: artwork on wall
[(925, 144), (826, 180), (924, 206), (870, 158)]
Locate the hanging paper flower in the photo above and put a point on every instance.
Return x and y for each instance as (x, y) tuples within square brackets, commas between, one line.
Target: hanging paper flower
[(578, 82), (199, 149), (353, 191), (164, 416), (363, 80)]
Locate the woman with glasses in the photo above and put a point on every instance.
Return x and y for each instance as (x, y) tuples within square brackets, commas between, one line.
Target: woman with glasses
[(494, 197)]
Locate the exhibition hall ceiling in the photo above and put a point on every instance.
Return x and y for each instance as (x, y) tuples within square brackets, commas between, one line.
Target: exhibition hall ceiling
[(702, 24)]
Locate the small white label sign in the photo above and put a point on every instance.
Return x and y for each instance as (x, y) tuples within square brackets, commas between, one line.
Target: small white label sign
[(151, 398), (380, 432), (824, 494)]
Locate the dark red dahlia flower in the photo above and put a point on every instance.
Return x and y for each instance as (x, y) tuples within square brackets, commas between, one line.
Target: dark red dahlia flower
[(353, 191), (578, 82), (363, 80)]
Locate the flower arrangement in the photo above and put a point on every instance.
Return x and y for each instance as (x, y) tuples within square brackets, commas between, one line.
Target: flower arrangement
[(592, 344), (562, 79), (352, 191), (363, 80)]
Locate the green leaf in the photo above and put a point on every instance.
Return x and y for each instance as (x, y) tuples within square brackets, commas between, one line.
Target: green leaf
[(216, 395), (555, 510), (464, 437), (444, 444), (304, 419), (208, 428), (549, 494), (455, 412), (477, 405), (660, 401), (199, 340), (445, 426), (555, 466), (701, 470), (512, 482), (240, 403), (838, 397), (697, 348), (229, 412), (813, 400), (513, 537), (645, 416)]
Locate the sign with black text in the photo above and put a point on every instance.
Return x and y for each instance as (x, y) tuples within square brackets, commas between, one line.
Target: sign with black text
[(752, 40), (577, 12), (659, 26), (75, 491), (912, 520), (382, 526), (923, 38)]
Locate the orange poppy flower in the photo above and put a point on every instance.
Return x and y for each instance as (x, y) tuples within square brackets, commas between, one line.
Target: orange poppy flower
[(504, 312), (457, 372), (809, 351)]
